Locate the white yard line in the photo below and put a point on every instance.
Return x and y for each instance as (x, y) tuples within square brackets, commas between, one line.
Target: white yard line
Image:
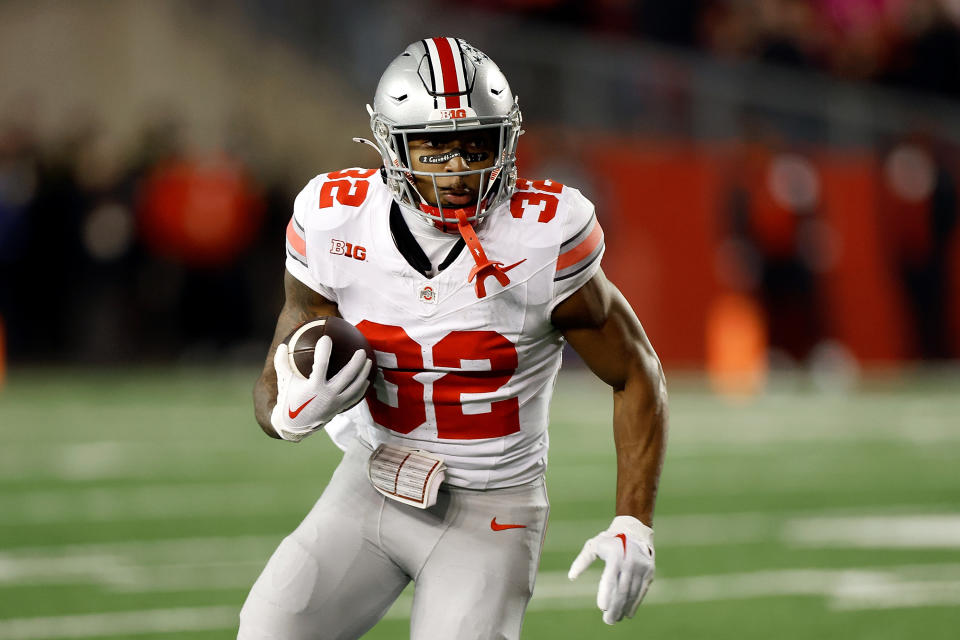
[(125, 623), (145, 502), (933, 531), (897, 595), (159, 549), (154, 565), (108, 458), (139, 566), (675, 531), (843, 589)]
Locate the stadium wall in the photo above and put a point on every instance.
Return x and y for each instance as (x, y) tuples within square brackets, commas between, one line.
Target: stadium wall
[(662, 203)]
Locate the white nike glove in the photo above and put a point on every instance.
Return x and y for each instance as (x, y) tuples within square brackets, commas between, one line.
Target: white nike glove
[(627, 549), (304, 405)]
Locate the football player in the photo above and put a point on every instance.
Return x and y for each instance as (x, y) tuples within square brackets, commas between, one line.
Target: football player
[(466, 281)]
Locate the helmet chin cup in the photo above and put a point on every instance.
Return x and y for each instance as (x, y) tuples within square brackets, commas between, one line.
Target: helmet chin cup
[(447, 219)]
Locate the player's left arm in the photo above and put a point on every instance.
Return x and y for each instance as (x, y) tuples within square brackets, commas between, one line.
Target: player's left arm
[(604, 330), (600, 325)]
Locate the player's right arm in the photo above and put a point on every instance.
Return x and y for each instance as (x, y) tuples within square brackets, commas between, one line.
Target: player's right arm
[(301, 303), (287, 405)]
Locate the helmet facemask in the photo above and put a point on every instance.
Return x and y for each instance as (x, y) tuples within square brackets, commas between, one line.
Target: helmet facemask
[(496, 182)]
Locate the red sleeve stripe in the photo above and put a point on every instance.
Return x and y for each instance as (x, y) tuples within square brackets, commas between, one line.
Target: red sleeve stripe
[(294, 255), (295, 240), (583, 249)]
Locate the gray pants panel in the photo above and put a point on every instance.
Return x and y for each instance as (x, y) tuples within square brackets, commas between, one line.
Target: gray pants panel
[(338, 573)]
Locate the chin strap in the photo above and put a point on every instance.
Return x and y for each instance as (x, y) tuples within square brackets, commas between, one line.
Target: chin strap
[(484, 267), (437, 212)]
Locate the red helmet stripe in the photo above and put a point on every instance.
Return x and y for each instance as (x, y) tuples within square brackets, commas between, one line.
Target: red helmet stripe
[(460, 66), (448, 71)]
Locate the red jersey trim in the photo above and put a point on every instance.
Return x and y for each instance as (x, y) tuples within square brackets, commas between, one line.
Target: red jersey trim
[(582, 250)]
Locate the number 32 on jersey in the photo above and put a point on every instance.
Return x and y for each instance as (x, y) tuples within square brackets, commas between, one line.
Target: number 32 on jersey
[(409, 410)]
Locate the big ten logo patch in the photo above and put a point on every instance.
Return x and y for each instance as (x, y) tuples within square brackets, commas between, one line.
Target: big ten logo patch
[(452, 114), (341, 248)]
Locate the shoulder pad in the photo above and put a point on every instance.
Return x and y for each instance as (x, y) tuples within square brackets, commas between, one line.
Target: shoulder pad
[(331, 198)]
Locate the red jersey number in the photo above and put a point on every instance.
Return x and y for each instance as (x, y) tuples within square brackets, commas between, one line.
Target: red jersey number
[(504, 416), (539, 196), (539, 185), (349, 186), (544, 203), (409, 412), (406, 409)]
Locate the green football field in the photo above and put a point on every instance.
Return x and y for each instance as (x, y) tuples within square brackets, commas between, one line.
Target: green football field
[(144, 503)]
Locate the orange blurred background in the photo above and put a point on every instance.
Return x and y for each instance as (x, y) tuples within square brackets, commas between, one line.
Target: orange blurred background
[(777, 180)]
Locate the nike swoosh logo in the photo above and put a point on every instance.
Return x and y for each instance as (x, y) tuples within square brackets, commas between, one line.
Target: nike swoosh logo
[(496, 526), (623, 539), (505, 269), (294, 413)]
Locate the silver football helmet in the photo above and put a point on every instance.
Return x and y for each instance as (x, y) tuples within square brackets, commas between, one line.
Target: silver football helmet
[(440, 85)]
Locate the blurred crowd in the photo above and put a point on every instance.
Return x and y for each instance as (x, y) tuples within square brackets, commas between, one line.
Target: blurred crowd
[(913, 44), (777, 243), (158, 254), (152, 251), (148, 253)]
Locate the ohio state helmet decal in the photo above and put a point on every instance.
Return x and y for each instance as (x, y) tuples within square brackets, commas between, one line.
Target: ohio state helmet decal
[(447, 74)]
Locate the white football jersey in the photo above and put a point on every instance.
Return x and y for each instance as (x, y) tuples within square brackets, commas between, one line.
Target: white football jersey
[(460, 375)]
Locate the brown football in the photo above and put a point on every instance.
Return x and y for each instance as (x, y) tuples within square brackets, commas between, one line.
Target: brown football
[(346, 340)]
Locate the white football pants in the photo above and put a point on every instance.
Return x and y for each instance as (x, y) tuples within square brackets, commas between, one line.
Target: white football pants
[(337, 574)]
